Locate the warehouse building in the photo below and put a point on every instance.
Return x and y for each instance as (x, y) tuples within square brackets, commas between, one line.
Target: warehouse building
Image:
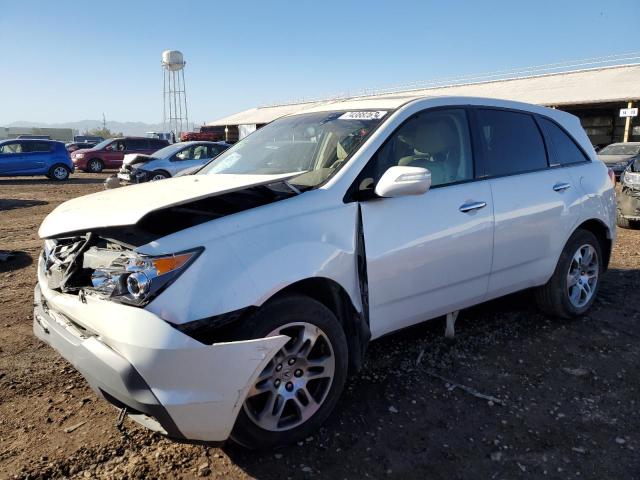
[(595, 95), (61, 134)]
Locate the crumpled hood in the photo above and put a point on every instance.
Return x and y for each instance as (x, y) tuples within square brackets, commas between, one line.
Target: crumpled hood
[(126, 206), (613, 159), (136, 159)]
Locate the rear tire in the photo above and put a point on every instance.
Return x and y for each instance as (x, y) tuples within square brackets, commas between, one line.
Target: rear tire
[(573, 287), (622, 221), (301, 385), (95, 165), (59, 172)]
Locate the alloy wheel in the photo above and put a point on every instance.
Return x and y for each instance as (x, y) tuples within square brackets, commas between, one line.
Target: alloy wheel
[(94, 166), (582, 277), (295, 383), (60, 173)]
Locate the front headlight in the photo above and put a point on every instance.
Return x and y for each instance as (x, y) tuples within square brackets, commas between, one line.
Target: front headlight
[(79, 155), (137, 279)]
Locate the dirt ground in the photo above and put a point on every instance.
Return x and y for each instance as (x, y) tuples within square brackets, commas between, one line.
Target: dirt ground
[(568, 391)]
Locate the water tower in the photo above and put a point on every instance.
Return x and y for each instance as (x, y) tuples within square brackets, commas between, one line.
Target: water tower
[(175, 116)]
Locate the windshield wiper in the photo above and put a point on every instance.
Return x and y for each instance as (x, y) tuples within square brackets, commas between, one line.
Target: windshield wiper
[(293, 189)]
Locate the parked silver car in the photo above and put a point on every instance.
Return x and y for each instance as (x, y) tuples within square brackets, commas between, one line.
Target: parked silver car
[(618, 156), (169, 161)]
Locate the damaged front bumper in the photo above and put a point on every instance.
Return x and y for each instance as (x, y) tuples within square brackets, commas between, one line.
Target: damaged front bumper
[(133, 175), (168, 381), (629, 203)]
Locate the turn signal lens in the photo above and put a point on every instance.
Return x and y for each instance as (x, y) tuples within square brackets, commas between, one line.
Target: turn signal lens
[(168, 264)]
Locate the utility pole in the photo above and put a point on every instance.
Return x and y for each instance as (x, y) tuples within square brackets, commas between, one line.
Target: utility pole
[(104, 122), (627, 124)]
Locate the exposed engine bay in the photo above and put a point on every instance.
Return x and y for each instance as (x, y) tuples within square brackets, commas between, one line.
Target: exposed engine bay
[(104, 262)]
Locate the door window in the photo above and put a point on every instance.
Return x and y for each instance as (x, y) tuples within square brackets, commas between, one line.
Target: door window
[(11, 148), (200, 152), (511, 142), (186, 154), (437, 140), (137, 144), (564, 149), (116, 146), (33, 147), (157, 143), (214, 150)]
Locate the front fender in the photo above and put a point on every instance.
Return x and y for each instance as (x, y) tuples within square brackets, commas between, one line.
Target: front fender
[(252, 255)]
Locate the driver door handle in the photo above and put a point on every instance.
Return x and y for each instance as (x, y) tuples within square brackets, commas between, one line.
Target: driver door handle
[(470, 206), (561, 186)]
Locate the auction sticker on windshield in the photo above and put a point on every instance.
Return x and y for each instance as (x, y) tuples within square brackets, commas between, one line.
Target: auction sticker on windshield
[(377, 115)]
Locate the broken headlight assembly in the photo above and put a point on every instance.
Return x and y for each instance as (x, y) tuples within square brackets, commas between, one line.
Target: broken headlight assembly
[(631, 179), (134, 279)]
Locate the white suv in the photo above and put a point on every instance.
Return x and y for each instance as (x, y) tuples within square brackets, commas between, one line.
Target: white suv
[(234, 302)]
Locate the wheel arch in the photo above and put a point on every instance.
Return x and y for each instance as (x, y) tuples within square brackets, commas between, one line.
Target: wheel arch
[(333, 296), (162, 171), (604, 236)]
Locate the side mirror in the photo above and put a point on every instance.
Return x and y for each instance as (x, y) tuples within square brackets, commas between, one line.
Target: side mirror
[(401, 181)]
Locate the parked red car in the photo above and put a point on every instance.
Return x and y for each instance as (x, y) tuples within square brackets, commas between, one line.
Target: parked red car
[(110, 153)]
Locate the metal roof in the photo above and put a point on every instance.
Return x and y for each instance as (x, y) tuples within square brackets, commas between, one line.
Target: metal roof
[(595, 85)]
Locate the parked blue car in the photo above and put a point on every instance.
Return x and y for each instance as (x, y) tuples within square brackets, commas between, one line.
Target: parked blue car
[(35, 157)]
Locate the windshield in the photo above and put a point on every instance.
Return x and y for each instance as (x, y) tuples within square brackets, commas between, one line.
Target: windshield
[(620, 149), (314, 144), (103, 144)]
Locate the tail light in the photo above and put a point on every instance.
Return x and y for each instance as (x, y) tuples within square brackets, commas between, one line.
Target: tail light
[(612, 176)]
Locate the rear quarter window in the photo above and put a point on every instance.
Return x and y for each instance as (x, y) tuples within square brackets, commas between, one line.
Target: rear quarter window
[(511, 142), (563, 149), (157, 144)]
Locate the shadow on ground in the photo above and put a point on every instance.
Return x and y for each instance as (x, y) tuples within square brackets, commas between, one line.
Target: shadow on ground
[(37, 181), (13, 203), (15, 260)]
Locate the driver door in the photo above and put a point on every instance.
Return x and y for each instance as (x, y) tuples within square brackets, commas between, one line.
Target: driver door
[(430, 254), (11, 158)]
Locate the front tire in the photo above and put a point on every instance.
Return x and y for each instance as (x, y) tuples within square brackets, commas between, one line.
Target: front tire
[(301, 385), (622, 222), (59, 172), (95, 165), (158, 175), (572, 289)]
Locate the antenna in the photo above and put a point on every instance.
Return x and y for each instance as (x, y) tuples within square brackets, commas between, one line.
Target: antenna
[(174, 110)]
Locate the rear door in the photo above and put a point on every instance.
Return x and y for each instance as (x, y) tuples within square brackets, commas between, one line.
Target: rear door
[(11, 158), (36, 156), (535, 206), (428, 254)]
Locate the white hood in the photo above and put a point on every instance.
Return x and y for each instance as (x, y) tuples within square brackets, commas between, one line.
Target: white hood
[(126, 206)]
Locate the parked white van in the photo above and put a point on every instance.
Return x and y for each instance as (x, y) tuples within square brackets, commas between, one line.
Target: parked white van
[(234, 302)]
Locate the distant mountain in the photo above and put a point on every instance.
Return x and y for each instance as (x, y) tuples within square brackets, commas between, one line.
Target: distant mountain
[(127, 128)]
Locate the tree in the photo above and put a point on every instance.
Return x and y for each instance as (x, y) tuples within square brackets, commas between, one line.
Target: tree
[(102, 132)]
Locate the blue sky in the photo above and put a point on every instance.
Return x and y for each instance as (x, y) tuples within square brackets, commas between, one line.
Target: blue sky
[(65, 61)]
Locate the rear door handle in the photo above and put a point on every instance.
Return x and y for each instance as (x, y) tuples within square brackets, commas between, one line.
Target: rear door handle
[(561, 186), (470, 206)]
